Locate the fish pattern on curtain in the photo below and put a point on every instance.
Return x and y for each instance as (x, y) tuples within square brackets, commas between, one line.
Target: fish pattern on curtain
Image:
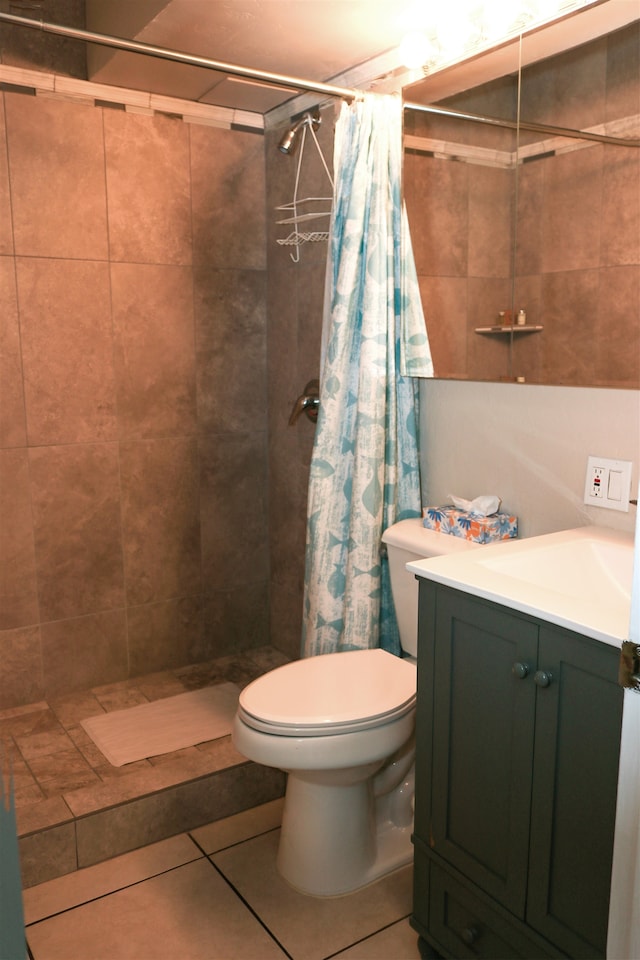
[(365, 471)]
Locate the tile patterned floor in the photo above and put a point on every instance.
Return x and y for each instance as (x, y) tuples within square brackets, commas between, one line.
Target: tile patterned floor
[(53, 756), (214, 894), (61, 777)]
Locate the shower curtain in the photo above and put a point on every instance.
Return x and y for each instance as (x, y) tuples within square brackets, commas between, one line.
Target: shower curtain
[(365, 465)]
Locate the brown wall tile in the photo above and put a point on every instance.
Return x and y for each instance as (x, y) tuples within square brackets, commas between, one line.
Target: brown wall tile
[(440, 239), (75, 497), (228, 186), (620, 241), (295, 304), (487, 355), (528, 238), (100, 369), (6, 225), (46, 854), (84, 652), (12, 416), (148, 188), (165, 635), (618, 339), (57, 178), (233, 511), (67, 350), (18, 587), (161, 523), (445, 306), (231, 323), (155, 350), (623, 90), (570, 302), (490, 222), (20, 667), (571, 227), (237, 619)]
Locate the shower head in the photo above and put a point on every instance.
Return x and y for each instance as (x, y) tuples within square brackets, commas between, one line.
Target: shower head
[(289, 141)]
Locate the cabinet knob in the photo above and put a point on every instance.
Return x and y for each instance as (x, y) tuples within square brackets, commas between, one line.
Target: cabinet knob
[(542, 678), (520, 670), (469, 935)]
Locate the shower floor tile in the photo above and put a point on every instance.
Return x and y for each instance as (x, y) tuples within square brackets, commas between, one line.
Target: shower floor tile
[(60, 775)]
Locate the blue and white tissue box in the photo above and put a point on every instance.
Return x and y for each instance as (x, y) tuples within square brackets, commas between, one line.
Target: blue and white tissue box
[(467, 526)]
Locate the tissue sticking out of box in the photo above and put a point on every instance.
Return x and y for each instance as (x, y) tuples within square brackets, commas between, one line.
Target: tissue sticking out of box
[(482, 506), (465, 520)]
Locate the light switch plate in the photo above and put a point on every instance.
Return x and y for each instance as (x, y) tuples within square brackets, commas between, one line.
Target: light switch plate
[(608, 483)]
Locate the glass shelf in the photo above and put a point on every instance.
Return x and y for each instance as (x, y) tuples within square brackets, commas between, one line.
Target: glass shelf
[(510, 328)]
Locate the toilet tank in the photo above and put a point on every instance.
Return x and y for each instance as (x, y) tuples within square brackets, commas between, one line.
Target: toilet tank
[(406, 541)]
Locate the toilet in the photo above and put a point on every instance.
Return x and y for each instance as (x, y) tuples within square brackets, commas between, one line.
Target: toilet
[(341, 726)]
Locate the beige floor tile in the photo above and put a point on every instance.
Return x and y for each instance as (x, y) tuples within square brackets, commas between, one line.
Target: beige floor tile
[(250, 823), (397, 942), (63, 893), (189, 913), (311, 928)]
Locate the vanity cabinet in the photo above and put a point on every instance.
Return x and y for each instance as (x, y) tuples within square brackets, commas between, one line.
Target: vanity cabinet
[(517, 743)]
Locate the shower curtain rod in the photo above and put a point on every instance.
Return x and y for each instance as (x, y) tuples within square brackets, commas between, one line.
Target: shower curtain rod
[(295, 83)]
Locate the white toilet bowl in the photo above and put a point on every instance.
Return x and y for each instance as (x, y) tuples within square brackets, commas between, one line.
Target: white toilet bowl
[(341, 726)]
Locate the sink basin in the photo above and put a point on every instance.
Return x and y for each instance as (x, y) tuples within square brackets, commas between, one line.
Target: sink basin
[(579, 579), (578, 568)]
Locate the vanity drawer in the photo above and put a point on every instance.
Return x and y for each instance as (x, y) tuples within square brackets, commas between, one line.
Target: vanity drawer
[(466, 927)]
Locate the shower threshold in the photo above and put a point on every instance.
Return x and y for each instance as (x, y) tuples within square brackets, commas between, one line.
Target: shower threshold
[(74, 809)]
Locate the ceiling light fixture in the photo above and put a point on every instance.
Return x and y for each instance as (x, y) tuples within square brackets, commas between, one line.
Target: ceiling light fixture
[(454, 35)]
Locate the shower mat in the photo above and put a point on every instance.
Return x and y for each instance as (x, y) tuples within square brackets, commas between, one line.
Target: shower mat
[(150, 729)]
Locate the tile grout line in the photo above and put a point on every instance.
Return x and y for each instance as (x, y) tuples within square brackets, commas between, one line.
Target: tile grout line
[(248, 905), (127, 886), (375, 933), (234, 843)]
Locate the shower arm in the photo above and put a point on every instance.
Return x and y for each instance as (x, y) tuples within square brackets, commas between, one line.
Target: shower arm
[(296, 83)]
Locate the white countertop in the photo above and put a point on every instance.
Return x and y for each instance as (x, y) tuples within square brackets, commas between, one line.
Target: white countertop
[(579, 579)]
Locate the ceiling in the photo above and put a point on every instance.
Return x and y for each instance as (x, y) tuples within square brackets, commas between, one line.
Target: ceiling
[(311, 39), (350, 44)]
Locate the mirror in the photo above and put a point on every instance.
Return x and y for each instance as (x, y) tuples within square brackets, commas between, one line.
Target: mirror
[(504, 220)]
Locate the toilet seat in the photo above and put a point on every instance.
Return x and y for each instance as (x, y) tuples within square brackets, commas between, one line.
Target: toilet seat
[(324, 695)]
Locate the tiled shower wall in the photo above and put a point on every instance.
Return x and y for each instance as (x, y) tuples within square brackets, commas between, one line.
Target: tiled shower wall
[(296, 295), (133, 419)]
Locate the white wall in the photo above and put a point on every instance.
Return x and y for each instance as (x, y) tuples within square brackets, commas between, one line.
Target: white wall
[(529, 445)]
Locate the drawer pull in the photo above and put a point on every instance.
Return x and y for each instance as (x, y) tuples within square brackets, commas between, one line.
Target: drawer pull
[(469, 935), (520, 670)]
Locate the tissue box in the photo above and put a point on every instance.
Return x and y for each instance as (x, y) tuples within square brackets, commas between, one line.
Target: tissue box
[(459, 523)]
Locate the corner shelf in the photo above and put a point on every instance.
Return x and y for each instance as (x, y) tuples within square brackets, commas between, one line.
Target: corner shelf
[(509, 328)]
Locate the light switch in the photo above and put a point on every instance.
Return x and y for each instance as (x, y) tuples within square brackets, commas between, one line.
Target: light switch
[(615, 485)]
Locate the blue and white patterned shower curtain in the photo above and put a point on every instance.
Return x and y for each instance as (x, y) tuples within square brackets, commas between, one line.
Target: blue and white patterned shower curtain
[(365, 468)]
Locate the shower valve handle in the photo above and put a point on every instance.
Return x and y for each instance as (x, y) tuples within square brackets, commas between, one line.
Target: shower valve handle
[(307, 403)]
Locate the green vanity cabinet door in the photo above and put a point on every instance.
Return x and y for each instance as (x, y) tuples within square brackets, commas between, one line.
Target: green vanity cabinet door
[(484, 713), (578, 725), (517, 752)]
